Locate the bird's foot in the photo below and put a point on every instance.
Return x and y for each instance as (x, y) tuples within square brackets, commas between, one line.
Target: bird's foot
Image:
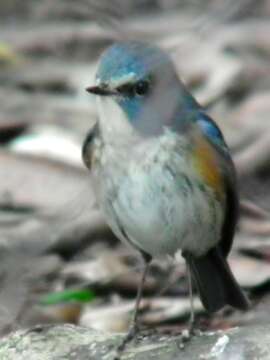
[(131, 334), (187, 335)]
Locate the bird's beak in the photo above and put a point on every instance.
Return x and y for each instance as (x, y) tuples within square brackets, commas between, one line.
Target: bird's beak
[(100, 90)]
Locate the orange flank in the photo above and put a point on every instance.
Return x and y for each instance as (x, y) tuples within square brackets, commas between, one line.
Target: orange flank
[(206, 163)]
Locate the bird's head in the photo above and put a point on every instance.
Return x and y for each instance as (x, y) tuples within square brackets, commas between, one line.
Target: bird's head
[(141, 82)]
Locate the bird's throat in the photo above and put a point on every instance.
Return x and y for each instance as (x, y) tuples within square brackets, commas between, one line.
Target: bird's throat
[(114, 125)]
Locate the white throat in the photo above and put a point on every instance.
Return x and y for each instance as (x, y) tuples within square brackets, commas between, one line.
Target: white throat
[(114, 125)]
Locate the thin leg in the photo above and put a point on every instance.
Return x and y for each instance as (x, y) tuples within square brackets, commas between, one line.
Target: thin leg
[(139, 294), (192, 317), (133, 329)]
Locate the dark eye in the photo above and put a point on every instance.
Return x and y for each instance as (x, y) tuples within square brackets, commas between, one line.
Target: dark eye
[(126, 89), (141, 87)]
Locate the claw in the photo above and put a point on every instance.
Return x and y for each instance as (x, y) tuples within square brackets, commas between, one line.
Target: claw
[(132, 332)]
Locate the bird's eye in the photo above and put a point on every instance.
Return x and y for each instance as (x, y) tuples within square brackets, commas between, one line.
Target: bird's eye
[(141, 87), (125, 89)]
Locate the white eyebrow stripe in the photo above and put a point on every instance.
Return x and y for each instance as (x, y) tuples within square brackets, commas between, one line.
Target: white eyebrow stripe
[(98, 81), (130, 77)]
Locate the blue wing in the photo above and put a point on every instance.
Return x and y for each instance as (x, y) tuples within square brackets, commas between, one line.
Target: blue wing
[(212, 132), (215, 137)]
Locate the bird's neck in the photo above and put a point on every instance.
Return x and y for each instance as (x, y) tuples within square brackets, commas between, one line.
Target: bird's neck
[(115, 129)]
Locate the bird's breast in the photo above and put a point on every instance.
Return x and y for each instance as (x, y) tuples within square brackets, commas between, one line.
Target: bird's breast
[(154, 198)]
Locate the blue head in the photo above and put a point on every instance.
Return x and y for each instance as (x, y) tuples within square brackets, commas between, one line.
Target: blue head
[(142, 81)]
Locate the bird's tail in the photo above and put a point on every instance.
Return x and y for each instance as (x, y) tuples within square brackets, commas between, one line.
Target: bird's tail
[(215, 282)]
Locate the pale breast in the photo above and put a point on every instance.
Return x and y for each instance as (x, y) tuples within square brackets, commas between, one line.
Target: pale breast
[(154, 199)]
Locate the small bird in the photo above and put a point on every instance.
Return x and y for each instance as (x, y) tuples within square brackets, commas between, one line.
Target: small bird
[(162, 171)]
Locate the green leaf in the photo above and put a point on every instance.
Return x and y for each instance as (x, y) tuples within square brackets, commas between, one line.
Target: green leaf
[(78, 296)]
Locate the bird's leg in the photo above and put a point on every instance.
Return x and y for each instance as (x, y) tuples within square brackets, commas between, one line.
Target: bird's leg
[(134, 322), (133, 329), (190, 290)]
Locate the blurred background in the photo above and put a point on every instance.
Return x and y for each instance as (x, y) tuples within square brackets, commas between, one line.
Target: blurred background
[(59, 262)]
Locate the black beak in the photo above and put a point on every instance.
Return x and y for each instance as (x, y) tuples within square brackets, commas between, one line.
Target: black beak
[(100, 90)]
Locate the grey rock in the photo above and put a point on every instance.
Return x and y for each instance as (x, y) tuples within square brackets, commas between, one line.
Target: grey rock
[(71, 342)]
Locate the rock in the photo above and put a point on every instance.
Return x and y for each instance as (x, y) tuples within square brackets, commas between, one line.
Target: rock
[(72, 342)]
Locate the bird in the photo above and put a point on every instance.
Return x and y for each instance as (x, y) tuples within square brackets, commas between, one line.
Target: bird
[(162, 171)]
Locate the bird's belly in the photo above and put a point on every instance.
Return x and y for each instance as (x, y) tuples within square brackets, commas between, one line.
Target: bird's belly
[(161, 211)]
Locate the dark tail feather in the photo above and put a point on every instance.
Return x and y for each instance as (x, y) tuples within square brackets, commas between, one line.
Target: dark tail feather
[(215, 282)]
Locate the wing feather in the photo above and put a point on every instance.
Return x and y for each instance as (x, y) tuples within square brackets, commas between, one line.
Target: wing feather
[(88, 146), (228, 174)]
